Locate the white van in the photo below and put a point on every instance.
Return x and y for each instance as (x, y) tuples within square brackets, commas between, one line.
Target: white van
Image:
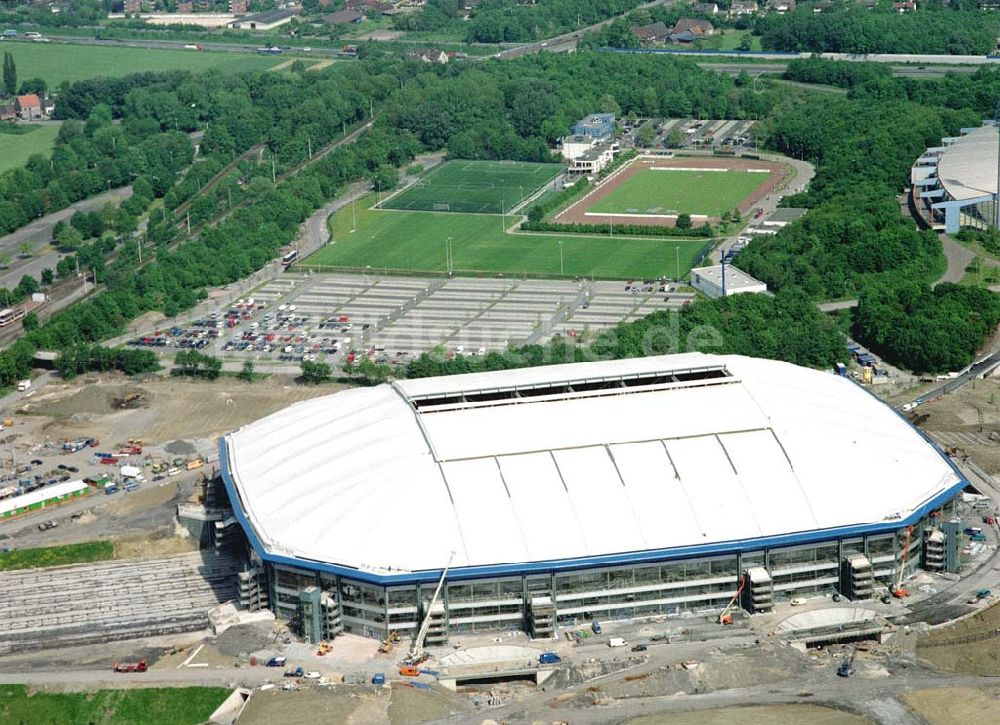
[(23, 385), (173, 471), (617, 642)]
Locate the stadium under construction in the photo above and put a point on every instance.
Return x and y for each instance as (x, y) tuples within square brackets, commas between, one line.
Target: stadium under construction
[(549, 496)]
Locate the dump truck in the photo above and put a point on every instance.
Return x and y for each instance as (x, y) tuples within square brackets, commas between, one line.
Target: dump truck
[(196, 463), (139, 666), (297, 672)]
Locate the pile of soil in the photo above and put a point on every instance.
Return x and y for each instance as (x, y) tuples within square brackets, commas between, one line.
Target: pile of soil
[(97, 400)]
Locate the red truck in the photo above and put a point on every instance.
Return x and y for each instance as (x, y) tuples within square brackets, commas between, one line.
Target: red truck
[(139, 666)]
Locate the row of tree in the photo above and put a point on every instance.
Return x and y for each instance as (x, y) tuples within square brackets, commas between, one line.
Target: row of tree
[(933, 29)]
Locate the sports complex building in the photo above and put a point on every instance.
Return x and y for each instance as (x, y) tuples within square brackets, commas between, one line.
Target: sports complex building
[(565, 493), (954, 185)]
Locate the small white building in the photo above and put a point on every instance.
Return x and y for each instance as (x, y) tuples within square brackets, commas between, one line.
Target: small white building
[(592, 159), (709, 280), (573, 147)]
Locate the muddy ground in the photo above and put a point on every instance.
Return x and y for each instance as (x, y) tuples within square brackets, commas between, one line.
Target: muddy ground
[(166, 410)]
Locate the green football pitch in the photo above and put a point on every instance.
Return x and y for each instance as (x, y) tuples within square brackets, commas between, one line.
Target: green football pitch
[(405, 241), (482, 187), (711, 193)]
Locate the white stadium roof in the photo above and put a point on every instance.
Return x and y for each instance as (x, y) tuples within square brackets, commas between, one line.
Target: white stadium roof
[(968, 167), (573, 462)]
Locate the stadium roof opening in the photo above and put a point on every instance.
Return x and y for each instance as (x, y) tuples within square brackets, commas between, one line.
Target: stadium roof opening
[(577, 465)]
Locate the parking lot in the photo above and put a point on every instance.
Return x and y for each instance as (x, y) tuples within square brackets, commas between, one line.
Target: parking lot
[(707, 134), (337, 317)]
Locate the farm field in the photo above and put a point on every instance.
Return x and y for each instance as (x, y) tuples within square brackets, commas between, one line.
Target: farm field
[(15, 148), (57, 62), (483, 187), (677, 191), (415, 241)]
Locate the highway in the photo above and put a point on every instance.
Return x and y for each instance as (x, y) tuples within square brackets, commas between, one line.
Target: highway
[(899, 71)]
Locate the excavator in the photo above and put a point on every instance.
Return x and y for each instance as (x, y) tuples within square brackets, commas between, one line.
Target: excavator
[(389, 642), (726, 617)]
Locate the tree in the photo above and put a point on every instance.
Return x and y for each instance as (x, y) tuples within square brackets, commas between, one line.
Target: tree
[(30, 322), (33, 85), (48, 276), (684, 221), (247, 372), (645, 136), (9, 74), (315, 372), (675, 137)]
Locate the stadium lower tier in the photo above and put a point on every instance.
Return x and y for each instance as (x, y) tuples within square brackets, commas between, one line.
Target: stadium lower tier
[(320, 605)]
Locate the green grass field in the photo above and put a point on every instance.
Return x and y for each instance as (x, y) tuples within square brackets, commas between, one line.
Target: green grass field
[(86, 552), (711, 193), (15, 148), (483, 187), (58, 62), (163, 706), (415, 241)]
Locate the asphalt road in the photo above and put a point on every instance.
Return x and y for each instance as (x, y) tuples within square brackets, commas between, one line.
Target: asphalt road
[(39, 234)]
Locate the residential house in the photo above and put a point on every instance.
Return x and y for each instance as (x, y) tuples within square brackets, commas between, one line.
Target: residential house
[(742, 7), (8, 111), (867, 4), (656, 33), (698, 28), (822, 6), (48, 105), (238, 7), (185, 7), (344, 17), (429, 56), (905, 7), (781, 6), (132, 7), (706, 8), (29, 107)]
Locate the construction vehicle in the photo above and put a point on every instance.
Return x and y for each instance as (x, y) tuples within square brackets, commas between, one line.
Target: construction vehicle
[(297, 672), (409, 671), (139, 666), (957, 452), (726, 617), (898, 590), (846, 668), (389, 642), (378, 678), (324, 649), (196, 463), (417, 650)]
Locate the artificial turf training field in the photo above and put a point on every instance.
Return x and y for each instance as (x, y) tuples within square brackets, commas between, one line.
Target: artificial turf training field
[(680, 191), (416, 241), (57, 62), (483, 187)]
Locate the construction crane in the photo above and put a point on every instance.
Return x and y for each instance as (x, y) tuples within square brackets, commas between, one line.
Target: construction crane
[(846, 668), (418, 644), (726, 617), (898, 590)]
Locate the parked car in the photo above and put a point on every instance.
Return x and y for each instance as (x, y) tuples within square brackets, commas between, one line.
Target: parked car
[(46, 525), (639, 648)]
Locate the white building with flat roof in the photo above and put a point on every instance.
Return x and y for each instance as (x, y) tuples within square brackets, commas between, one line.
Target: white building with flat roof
[(709, 280)]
